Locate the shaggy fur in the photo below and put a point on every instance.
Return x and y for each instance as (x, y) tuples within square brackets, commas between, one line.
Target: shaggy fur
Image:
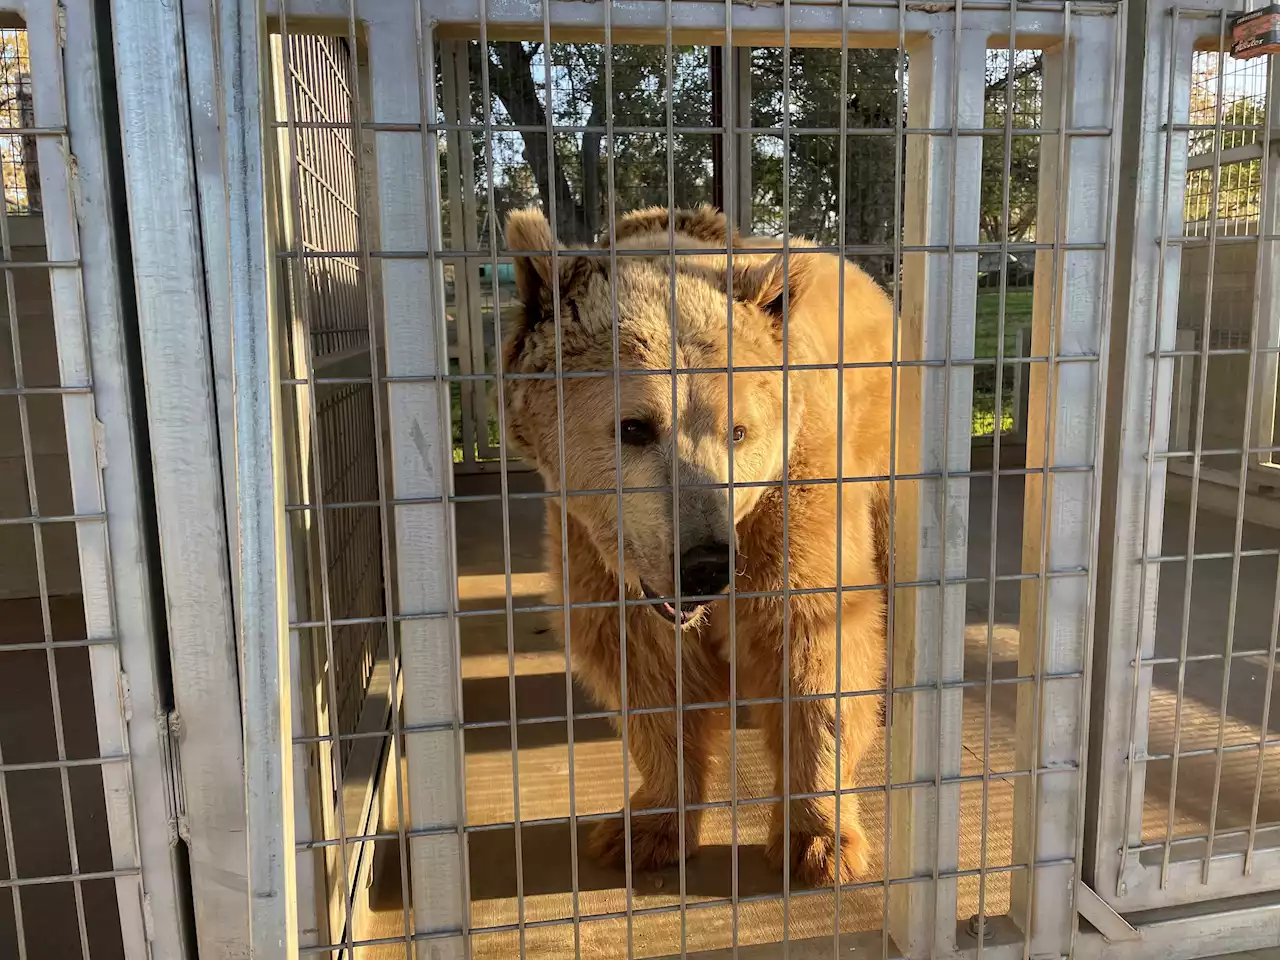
[(693, 448)]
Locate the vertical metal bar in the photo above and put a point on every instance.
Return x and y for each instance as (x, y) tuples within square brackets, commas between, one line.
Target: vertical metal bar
[(615, 335), (673, 269), (564, 507), (1038, 590), (938, 310), (1193, 509), (1266, 226), (263, 606), (1083, 741), (398, 746), (842, 167), (1267, 291), (424, 574), (1242, 486), (786, 476), (500, 387), (549, 107), (1007, 139), (891, 594), (1150, 571), (734, 155), (155, 132), (462, 910), (320, 514), (944, 483), (115, 577)]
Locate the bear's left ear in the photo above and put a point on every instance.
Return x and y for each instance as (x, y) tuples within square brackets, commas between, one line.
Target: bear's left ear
[(530, 242), (771, 284), (528, 230)]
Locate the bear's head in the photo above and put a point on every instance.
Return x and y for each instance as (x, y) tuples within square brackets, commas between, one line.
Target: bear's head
[(591, 396)]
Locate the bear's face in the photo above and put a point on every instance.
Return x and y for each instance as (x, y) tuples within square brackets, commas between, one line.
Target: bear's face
[(666, 432)]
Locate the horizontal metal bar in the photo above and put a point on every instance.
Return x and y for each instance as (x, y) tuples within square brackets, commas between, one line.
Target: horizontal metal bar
[(1185, 242), (737, 485), (1183, 454), (1214, 555), (68, 518), (70, 878), (39, 264), (441, 830), (1199, 838), (45, 391), (683, 371), (62, 764), (1252, 745), (59, 644), (720, 130), (33, 131), (1213, 352), (1206, 161), (877, 249), (684, 598), (683, 708), (691, 905), (1201, 657)]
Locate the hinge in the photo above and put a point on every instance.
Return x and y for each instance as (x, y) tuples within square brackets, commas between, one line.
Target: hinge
[(62, 26), (174, 797)]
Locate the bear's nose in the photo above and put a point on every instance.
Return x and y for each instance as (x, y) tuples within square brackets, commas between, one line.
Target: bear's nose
[(704, 570)]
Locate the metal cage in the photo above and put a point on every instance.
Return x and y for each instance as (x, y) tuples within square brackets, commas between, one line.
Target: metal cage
[(330, 619)]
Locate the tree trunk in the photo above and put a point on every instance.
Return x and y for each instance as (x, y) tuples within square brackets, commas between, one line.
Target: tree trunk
[(515, 87)]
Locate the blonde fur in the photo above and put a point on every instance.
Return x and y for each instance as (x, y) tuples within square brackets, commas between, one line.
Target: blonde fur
[(795, 640)]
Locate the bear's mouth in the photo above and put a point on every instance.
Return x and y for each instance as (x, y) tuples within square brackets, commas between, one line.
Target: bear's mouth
[(687, 613)]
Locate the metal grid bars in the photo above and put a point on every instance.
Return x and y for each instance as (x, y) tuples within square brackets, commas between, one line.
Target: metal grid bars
[(497, 770), (76, 622), (337, 547), (1187, 783)]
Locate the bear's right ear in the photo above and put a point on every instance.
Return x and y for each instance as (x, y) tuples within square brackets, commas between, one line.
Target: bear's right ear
[(529, 230)]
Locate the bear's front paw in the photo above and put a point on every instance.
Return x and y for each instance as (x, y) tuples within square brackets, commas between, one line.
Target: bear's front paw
[(814, 860), (655, 842)]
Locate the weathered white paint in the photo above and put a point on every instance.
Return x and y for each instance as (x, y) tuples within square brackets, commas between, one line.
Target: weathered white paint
[(932, 516)]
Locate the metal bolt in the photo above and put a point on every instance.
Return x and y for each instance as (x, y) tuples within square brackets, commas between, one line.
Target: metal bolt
[(988, 931)]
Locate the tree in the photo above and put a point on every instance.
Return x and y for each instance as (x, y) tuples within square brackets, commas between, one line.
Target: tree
[(17, 153), (574, 170)]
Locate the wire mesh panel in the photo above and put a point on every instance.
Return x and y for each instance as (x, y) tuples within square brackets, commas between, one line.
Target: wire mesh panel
[(337, 544), (768, 649), (88, 813), (1188, 783)]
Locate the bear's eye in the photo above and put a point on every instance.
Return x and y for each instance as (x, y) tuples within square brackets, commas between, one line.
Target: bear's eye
[(637, 433), (739, 433)]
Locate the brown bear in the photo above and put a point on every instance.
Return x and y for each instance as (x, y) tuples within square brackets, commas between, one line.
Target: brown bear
[(679, 432)]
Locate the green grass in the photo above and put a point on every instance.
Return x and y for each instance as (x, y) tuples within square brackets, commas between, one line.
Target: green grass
[(1017, 315)]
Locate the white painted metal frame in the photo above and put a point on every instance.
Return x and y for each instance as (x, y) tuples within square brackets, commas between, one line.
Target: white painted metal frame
[(939, 300), (948, 57), (1124, 876), (170, 281), (102, 441), (1266, 423)]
